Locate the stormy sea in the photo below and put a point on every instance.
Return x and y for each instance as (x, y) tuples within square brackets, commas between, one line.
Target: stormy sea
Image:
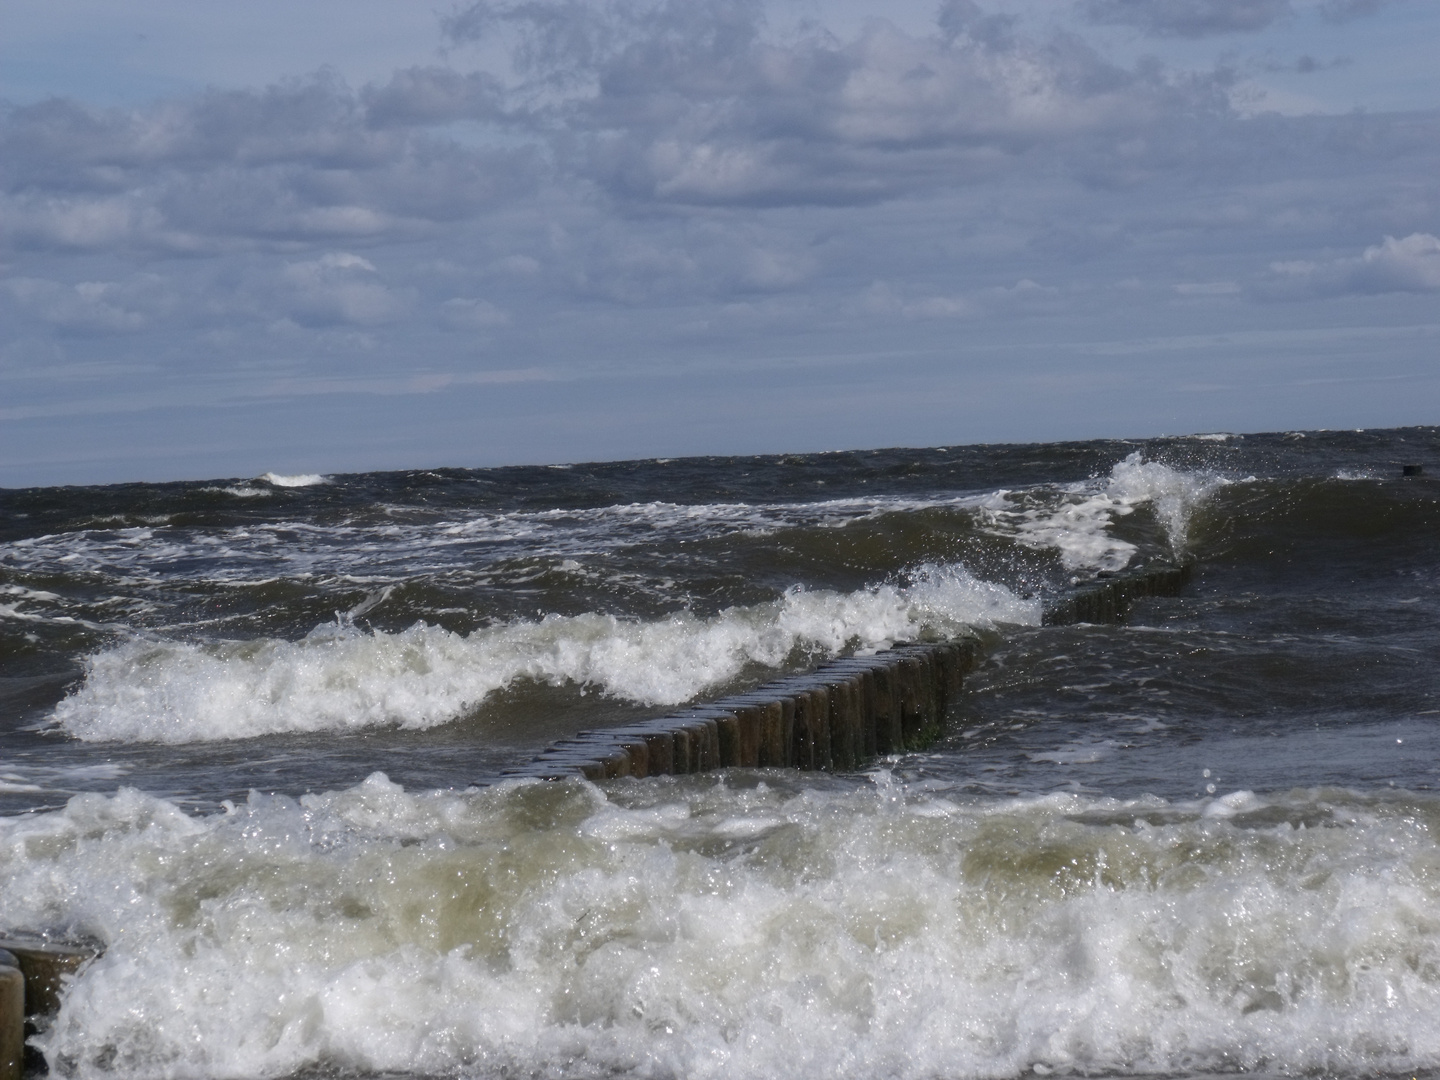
[(254, 736)]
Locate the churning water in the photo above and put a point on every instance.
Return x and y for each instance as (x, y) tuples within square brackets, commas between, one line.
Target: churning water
[(252, 735)]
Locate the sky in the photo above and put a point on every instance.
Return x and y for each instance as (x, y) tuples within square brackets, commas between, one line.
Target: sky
[(349, 235)]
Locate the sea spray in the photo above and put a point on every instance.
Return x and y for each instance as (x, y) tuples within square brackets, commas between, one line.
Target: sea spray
[(1077, 521)]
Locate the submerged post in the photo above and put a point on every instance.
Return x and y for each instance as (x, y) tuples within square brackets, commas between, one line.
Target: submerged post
[(12, 1017)]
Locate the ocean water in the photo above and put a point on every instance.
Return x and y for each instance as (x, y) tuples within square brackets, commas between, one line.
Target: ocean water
[(253, 736)]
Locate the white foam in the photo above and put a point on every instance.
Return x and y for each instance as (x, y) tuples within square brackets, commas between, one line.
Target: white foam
[(296, 481), (341, 678), (1078, 524), (697, 931)]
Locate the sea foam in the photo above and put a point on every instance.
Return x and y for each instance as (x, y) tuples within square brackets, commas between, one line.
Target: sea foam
[(683, 928), (296, 481), (342, 678)]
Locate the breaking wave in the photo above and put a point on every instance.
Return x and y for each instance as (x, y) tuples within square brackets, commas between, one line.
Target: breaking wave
[(681, 928), (341, 678)]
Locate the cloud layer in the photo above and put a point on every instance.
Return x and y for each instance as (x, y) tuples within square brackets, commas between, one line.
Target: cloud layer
[(600, 190)]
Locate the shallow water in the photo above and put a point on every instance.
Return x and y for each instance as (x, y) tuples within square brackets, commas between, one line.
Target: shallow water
[(252, 730)]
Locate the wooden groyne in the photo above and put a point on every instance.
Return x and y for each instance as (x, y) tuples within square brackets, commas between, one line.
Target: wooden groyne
[(1109, 597), (846, 712), (32, 976)]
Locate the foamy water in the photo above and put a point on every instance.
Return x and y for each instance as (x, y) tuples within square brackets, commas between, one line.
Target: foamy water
[(1068, 882), (1075, 520), (342, 678), (690, 928)]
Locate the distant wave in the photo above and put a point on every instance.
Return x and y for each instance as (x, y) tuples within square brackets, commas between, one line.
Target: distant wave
[(298, 480)]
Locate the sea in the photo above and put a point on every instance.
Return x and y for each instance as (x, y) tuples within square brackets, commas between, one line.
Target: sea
[(254, 737)]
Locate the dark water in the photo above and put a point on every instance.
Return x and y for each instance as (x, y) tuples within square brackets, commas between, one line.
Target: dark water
[(1200, 841)]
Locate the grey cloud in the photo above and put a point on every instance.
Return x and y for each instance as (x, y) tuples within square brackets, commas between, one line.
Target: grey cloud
[(1345, 10), (472, 313), (646, 171), (1025, 297), (1188, 18), (433, 95), (689, 101), (299, 163), (340, 288), (89, 307)]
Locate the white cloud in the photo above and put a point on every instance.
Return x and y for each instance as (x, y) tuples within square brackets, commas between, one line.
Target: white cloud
[(340, 288), (1409, 264)]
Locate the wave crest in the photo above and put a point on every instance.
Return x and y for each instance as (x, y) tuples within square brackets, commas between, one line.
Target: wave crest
[(340, 678)]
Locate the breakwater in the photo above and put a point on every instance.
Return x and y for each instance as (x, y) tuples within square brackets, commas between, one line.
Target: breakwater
[(32, 976), (837, 717)]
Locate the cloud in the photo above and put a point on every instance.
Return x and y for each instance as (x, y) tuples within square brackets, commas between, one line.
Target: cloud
[(90, 307), (1345, 10), (1190, 18), (1410, 264), (470, 313), (683, 186), (340, 288), (301, 162), (695, 102), (1210, 18), (1023, 298)]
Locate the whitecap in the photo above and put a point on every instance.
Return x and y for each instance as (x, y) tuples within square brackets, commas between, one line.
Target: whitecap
[(341, 678), (296, 481)]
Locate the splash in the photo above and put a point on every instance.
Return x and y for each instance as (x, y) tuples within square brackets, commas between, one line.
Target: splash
[(1076, 521)]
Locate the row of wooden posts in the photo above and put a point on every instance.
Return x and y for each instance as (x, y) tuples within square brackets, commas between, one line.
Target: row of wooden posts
[(837, 717)]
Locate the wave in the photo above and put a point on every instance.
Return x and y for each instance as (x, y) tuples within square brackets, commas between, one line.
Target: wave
[(1078, 523), (340, 678), (684, 929), (1075, 520), (296, 481)]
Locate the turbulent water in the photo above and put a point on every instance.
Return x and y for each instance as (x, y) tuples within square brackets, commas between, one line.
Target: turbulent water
[(253, 736)]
